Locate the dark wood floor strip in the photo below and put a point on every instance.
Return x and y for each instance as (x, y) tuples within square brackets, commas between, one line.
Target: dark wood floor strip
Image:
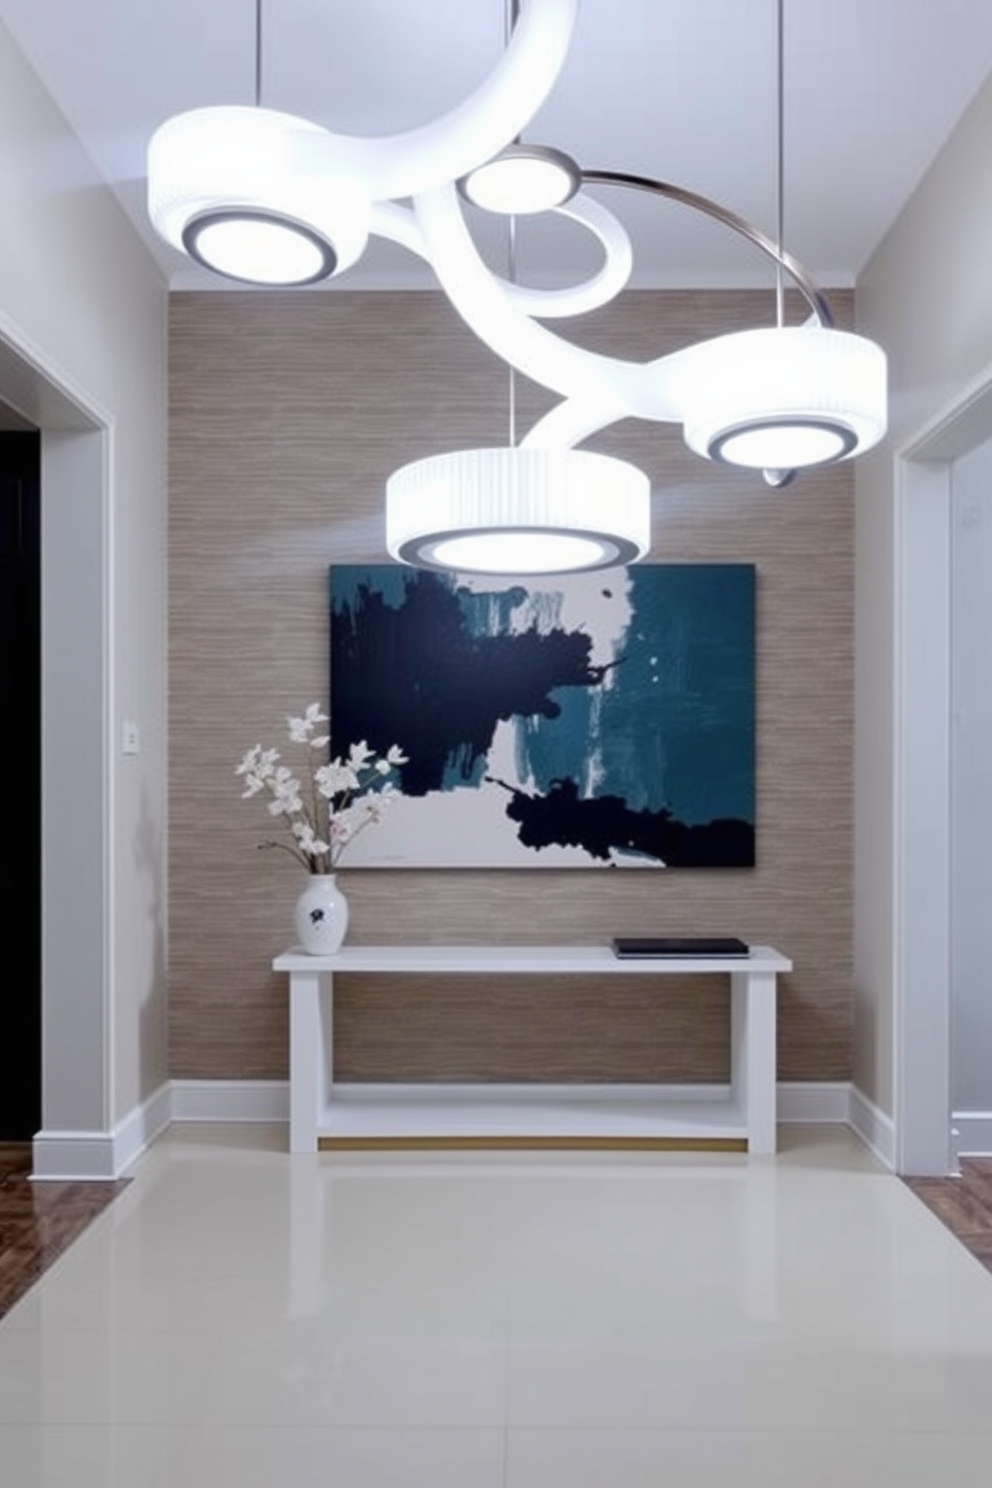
[(39, 1221), (963, 1204)]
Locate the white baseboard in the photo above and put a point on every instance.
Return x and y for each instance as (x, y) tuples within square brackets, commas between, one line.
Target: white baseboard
[(102, 1155), (139, 1129), (106, 1155), (230, 1100), (268, 1100), (972, 1133), (803, 1101), (873, 1126), (73, 1155)]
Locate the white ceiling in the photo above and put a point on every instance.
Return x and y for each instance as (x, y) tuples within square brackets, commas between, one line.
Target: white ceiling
[(682, 90)]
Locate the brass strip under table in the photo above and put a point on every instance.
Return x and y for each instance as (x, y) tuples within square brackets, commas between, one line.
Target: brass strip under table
[(532, 1144)]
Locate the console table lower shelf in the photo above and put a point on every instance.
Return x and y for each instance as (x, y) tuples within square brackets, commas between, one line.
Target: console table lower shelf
[(325, 1114)]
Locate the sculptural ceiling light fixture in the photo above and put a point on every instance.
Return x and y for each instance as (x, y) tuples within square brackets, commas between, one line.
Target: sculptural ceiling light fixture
[(273, 199)]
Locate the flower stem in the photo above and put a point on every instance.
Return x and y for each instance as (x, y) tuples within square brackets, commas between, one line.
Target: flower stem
[(294, 852)]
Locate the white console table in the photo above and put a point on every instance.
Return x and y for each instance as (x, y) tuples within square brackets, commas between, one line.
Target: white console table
[(354, 1114)]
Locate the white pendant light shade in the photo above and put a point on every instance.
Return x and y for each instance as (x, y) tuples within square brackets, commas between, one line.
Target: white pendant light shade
[(518, 510), (255, 195), (784, 397)]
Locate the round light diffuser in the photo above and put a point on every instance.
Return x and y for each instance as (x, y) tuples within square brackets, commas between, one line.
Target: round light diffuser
[(783, 398), (255, 195), (521, 180), (518, 511), (259, 248)]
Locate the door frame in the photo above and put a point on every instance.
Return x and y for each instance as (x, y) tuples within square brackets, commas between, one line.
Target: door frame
[(924, 1141), (76, 713)]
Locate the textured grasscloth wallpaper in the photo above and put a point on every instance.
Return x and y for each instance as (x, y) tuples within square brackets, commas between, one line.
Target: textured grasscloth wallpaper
[(288, 413)]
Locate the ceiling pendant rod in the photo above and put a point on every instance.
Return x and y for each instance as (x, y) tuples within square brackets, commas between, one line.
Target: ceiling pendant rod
[(258, 53), (512, 276), (511, 12), (780, 164)]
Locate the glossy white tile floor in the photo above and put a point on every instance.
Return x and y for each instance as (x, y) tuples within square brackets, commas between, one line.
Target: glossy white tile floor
[(243, 1319)]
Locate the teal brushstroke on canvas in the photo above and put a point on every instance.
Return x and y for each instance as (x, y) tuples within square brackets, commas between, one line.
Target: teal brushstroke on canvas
[(390, 584), (463, 768), (564, 746), (676, 727), (672, 724), (489, 612), (545, 748)]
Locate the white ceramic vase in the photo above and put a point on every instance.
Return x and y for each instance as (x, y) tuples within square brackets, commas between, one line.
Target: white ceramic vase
[(321, 915)]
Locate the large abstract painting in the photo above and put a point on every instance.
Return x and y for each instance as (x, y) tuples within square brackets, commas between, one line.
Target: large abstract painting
[(591, 721)]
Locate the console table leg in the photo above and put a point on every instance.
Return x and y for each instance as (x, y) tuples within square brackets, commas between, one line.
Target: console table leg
[(754, 1056), (310, 995)]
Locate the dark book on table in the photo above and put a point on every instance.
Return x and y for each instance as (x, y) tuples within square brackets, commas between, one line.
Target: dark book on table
[(680, 945)]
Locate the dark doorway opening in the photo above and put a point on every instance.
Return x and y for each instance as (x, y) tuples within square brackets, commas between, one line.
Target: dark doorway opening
[(20, 770)]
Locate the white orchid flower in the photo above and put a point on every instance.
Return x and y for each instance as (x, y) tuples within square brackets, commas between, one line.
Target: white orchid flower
[(287, 796), (249, 763), (359, 755), (258, 764), (356, 781), (334, 779), (309, 842), (300, 729)]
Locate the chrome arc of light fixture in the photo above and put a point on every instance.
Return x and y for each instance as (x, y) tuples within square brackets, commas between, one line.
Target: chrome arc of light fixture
[(272, 199)]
